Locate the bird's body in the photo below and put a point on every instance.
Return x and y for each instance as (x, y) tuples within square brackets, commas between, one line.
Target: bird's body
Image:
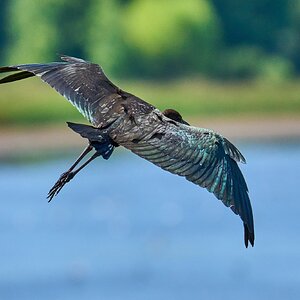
[(121, 119)]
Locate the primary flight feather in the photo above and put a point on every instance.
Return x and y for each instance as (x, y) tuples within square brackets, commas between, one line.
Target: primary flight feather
[(119, 118)]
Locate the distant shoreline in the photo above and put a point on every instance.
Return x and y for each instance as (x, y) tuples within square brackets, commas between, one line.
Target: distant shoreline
[(17, 141)]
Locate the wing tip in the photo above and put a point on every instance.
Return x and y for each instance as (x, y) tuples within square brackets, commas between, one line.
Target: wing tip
[(6, 69), (16, 76), (71, 59), (248, 236)]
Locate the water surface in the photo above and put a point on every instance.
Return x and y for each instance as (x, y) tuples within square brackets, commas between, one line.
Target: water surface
[(124, 229)]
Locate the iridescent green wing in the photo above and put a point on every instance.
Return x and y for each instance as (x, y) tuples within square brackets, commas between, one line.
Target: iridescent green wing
[(202, 157)]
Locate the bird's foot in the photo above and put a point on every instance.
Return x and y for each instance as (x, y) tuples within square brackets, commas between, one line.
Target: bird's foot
[(63, 179)]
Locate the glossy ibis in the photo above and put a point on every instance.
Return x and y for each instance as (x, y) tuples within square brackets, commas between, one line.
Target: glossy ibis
[(119, 118)]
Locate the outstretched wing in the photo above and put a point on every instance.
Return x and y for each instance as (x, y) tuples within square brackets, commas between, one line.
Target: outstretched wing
[(203, 157), (83, 83)]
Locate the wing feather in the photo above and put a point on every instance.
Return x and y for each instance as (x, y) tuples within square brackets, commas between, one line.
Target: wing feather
[(204, 158), (84, 84)]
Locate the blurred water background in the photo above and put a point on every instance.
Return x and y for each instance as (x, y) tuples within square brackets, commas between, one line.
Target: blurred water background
[(123, 228)]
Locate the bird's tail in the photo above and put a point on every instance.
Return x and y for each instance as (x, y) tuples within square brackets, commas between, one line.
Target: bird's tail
[(97, 138), (86, 131)]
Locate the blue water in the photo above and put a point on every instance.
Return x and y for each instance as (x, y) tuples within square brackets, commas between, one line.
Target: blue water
[(124, 229)]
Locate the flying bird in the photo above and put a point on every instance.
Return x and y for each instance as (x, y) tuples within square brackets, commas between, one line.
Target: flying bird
[(119, 118)]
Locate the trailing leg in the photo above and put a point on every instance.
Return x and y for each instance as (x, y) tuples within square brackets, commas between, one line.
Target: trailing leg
[(98, 140), (67, 176)]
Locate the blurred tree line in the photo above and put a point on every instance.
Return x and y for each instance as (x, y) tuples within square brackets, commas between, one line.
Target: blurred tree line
[(162, 38)]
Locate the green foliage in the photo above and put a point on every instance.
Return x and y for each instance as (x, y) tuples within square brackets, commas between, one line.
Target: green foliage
[(240, 62), (171, 37), (3, 33), (159, 38), (33, 102), (290, 41), (251, 62), (39, 30), (72, 27), (276, 69), (30, 36), (260, 40), (103, 37), (253, 22)]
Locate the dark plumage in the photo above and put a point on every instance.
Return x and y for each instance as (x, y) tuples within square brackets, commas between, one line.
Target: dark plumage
[(119, 118)]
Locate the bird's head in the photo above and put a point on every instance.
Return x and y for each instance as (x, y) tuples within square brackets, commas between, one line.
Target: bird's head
[(174, 115)]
